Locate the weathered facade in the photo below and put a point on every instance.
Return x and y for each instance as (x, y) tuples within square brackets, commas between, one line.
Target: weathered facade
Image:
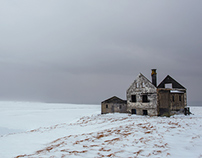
[(172, 97), (113, 104), (146, 98), (142, 97)]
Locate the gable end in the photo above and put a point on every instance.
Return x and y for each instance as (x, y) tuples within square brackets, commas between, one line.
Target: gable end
[(170, 80), (114, 99)]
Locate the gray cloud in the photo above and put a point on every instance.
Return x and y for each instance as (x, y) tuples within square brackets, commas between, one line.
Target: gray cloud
[(87, 51)]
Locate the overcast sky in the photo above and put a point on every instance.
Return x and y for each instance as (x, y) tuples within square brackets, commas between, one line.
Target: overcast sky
[(85, 51)]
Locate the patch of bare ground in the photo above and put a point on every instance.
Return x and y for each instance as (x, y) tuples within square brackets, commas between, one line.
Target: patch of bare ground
[(20, 156), (138, 152), (161, 146)]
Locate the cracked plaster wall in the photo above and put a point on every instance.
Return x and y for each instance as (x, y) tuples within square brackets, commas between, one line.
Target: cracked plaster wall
[(142, 86)]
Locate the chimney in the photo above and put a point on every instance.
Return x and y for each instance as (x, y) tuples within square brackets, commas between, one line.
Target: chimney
[(153, 75)]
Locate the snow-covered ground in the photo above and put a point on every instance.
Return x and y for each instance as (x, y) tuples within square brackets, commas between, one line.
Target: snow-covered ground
[(68, 130)]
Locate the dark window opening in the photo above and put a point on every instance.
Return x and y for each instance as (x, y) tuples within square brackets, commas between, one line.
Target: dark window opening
[(133, 98), (173, 98), (145, 112), (106, 106), (133, 111), (119, 106), (180, 98), (145, 99)]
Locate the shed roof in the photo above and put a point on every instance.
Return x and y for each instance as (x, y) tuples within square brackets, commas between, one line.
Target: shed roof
[(114, 99)]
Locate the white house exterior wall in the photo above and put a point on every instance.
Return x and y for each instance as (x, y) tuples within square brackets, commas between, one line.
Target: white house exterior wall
[(142, 86)]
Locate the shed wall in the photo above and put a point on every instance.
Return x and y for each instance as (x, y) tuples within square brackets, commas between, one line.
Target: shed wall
[(113, 107)]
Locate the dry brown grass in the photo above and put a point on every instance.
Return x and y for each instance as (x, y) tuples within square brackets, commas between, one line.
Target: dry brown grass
[(102, 149), (99, 136), (147, 132), (161, 146), (21, 156), (138, 152)]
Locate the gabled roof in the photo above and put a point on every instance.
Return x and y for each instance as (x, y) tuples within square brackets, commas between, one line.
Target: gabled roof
[(143, 77), (168, 80), (114, 99)]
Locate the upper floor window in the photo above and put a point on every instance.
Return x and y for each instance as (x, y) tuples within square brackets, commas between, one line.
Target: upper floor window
[(145, 98), (133, 98)]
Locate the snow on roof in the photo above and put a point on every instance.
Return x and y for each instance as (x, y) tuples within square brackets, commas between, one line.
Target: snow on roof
[(175, 91)]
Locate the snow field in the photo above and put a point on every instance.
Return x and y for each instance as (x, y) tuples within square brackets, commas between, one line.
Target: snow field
[(86, 133)]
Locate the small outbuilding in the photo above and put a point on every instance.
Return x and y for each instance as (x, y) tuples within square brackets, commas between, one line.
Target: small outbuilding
[(113, 104)]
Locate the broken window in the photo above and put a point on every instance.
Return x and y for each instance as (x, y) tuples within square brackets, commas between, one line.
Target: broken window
[(173, 98), (106, 106), (133, 98), (168, 85), (145, 112), (145, 98), (119, 106)]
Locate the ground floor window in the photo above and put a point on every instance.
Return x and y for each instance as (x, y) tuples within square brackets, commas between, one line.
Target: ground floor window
[(133, 111), (106, 106), (145, 112)]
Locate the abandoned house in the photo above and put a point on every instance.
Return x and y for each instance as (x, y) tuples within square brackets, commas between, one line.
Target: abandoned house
[(114, 104), (144, 97)]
